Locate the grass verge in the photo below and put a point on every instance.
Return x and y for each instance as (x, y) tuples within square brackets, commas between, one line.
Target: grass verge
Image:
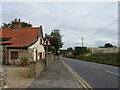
[(103, 58)]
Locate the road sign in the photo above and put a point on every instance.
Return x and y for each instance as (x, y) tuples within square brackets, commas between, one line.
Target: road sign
[(46, 42)]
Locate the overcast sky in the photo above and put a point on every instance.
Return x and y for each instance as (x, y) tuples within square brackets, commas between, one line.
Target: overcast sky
[(95, 21)]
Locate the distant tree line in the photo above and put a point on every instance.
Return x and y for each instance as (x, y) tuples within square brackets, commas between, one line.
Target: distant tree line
[(107, 45), (81, 50)]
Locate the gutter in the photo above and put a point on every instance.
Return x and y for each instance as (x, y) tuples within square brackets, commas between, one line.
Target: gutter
[(28, 45)]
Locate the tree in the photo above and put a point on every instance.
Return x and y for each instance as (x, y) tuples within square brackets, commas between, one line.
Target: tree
[(25, 24), (70, 49), (52, 48), (10, 25), (5, 25), (108, 45), (81, 50), (55, 39)]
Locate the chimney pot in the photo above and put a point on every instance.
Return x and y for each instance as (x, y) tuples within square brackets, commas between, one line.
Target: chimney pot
[(19, 20), (16, 25), (15, 20)]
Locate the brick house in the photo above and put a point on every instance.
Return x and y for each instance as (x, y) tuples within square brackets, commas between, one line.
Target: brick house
[(18, 42)]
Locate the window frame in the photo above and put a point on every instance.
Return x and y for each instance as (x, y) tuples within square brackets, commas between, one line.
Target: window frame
[(41, 41), (15, 56), (40, 55)]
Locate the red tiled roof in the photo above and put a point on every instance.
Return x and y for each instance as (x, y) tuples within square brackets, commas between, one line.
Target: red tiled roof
[(20, 38)]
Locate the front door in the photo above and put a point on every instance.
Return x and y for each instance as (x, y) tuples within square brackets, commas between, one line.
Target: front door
[(36, 55), (40, 55)]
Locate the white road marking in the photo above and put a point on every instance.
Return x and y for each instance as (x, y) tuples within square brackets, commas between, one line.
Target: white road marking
[(112, 72), (108, 65), (95, 67), (101, 64), (85, 64)]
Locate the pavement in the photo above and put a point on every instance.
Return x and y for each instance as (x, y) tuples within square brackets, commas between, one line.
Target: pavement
[(55, 77), (94, 74)]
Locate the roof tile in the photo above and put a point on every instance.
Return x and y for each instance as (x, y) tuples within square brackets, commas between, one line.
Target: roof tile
[(20, 38)]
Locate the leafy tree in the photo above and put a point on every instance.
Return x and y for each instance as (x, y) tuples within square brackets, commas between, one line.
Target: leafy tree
[(5, 25), (81, 50), (63, 52), (52, 48), (25, 24), (55, 39), (70, 49), (108, 45)]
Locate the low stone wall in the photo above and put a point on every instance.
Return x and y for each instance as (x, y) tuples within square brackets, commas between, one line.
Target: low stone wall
[(3, 78), (36, 68), (50, 57)]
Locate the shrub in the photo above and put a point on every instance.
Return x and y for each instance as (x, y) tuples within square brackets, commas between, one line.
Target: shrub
[(24, 60), (81, 50), (69, 56)]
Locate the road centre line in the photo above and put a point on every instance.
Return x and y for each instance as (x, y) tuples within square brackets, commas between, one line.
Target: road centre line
[(112, 72), (85, 64)]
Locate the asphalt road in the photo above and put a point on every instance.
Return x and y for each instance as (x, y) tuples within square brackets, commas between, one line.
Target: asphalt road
[(96, 75)]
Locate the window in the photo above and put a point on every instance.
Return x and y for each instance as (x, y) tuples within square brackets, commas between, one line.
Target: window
[(14, 54), (40, 41), (36, 55), (40, 55)]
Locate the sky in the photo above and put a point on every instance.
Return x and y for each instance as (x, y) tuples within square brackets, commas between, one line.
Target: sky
[(96, 22)]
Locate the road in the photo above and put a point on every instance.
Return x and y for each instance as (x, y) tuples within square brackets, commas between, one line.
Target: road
[(96, 75)]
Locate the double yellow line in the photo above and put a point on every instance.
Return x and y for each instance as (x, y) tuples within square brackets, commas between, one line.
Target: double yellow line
[(84, 84)]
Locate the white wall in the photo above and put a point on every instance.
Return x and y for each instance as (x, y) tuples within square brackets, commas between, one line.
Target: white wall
[(39, 48)]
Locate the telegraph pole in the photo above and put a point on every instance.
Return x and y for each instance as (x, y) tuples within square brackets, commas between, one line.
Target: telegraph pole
[(82, 42), (82, 46)]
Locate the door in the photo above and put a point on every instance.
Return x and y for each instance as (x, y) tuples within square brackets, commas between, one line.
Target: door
[(36, 55), (40, 55)]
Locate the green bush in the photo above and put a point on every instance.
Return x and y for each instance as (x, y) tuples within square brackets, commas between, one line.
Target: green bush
[(69, 56), (81, 50), (24, 60)]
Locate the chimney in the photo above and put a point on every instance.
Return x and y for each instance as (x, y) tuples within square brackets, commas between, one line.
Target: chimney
[(41, 31), (16, 25), (40, 27)]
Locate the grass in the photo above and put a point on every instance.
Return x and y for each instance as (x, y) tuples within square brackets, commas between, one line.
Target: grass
[(103, 58)]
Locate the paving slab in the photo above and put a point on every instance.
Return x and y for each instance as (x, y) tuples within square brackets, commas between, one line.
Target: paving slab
[(55, 77)]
